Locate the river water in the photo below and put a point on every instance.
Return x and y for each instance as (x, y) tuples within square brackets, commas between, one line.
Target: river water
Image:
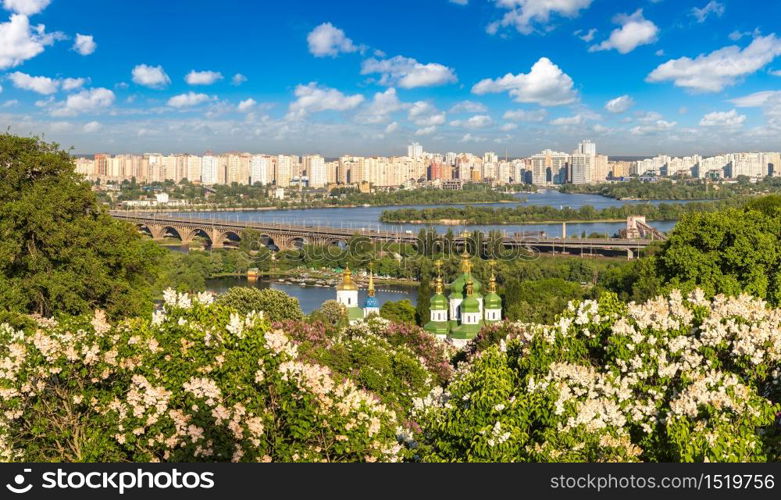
[(368, 217), (311, 297)]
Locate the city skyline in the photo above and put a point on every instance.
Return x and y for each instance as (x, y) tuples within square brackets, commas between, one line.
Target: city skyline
[(517, 76)]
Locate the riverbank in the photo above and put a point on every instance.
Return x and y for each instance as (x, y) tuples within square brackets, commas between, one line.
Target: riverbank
[(531, 215), (318, 274)]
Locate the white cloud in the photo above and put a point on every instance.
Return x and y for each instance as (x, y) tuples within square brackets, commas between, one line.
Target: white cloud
[(569, 121), (26, 7), (92, 126), (380, 107), (202, 77), (721, 68), (460, 2), (84, 44), (477, 121), (19, 41), (776, 72), (312, 98), (246, 105), (723, 119), (709, 8), (652, 128), (150, 76), (522, 115), (188, 99), (471, 138), (508, 126), (587, 36), (238, 79), (424, 114), (545, 85), (328, 40), (635, 30), (73, 83), (523, 15), (392, 127), (468, 107), (408, 73), (619, 104), (756, 99), (426, 130), (86, 101), (40, 84)]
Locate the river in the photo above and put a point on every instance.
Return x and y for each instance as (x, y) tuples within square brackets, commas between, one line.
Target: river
[(311, 297), (368, 217)]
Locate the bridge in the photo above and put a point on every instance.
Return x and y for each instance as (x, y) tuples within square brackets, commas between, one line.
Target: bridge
[(221, 233)]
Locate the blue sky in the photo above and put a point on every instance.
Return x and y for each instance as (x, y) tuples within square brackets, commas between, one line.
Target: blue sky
[(638, 77)]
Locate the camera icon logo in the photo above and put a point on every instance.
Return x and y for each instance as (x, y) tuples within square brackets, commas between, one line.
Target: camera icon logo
[(19, 481)]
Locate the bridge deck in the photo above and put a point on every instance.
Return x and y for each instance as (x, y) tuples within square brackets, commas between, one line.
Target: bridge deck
[(379, 235)]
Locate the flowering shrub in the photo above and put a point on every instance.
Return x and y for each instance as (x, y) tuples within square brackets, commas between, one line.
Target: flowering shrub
[(196, 383), (435, 355), (674, 380)]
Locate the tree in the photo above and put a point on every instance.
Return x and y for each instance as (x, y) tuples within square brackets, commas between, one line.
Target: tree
[(423, 303), (332, 314), (401, 311), (730, 251), (59, 249), (275, 304), (539, 301)]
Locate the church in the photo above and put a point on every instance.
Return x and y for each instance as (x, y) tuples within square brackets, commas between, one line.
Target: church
[(458, 317), (462, 314), (347, 295)]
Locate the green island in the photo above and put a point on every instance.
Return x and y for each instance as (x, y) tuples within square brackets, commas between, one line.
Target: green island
[(666, 189), (111, 352), (545, 214)]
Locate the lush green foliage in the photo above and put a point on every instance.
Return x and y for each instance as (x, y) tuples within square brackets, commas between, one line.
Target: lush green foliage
[(401, 311), (664, 189), (520, 214), (729, 252), (275, 305), (59, 250), (673, 380)]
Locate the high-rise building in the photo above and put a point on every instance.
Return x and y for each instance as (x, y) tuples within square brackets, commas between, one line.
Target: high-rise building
[(209, 167), (283, 171), (315, 170), (587, 147), (549, 167), (581, 166), (415, 151), (260, 169)]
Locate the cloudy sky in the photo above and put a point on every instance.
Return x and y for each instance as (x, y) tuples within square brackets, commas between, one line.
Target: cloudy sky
[(638, 77)]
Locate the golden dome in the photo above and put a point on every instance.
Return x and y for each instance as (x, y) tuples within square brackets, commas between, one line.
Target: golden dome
[(347, 281)]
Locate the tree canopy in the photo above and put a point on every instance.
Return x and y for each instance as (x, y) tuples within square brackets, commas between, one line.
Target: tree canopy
[(60, 251), (275, 304), (731, 251)]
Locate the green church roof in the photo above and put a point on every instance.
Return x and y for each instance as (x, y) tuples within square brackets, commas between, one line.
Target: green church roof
[(354, 313), (470, 305), (438, 302), (458, 287), (492, 301)]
